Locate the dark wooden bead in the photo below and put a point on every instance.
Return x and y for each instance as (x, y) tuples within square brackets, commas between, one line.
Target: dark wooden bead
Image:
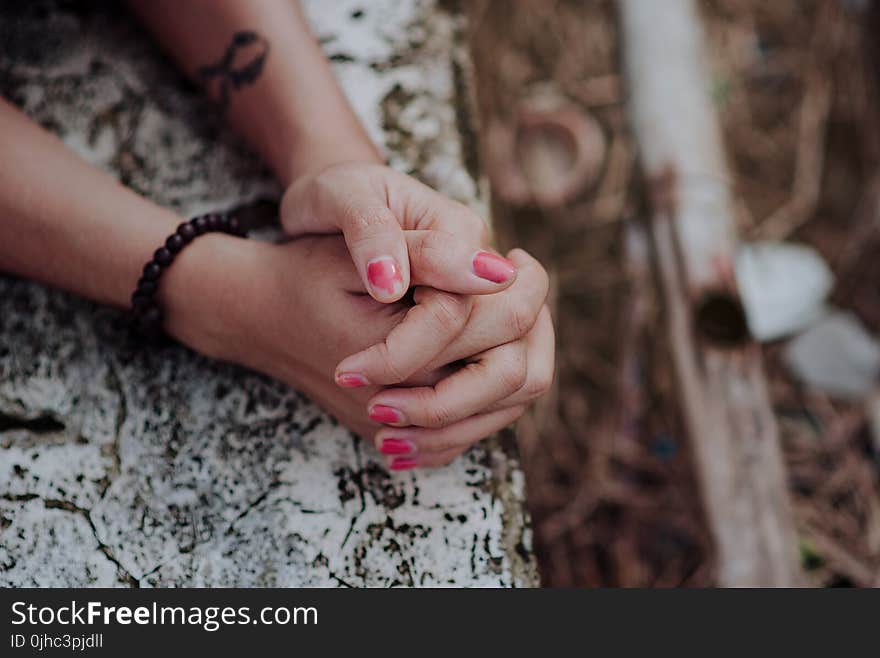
[(140, 301), (150, 319), (147, 286), (163, 256), (174, 243), (147, 316), (200, 224), (186, 231), (213, 222), (152, 270)]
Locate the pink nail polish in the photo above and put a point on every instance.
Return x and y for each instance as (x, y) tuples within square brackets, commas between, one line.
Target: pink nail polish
[(397, 447), (493, 268), (351, 380), (385, 276), (403, 464), (388, 415)]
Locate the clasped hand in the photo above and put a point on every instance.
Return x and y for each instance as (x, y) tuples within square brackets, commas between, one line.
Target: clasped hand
[(424, 375)]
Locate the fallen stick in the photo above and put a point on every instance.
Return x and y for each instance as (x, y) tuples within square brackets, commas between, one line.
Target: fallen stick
[(720, 374)]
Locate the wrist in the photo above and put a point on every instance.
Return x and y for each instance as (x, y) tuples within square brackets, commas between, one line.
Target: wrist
[(200, 298)]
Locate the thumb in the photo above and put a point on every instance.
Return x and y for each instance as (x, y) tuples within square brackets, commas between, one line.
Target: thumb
[(372, 232), (442, 261), (378, 248)]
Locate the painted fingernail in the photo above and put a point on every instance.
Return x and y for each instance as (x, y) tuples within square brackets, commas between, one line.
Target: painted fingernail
[(493, 268), (351, 380), (382, 414), (385, 276), (397, 447), (403, 464)]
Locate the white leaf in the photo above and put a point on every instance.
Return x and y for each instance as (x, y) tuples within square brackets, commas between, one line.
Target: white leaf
[(836, 355), (783, 287)]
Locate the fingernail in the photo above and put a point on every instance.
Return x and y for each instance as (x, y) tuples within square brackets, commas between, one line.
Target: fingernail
[(403, 464), (397, 447), (385, 276), (493, 268), (351, 380), (382, 414)]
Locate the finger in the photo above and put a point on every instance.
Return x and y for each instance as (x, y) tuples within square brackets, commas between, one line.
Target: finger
[(377, 246), (425, 331), (432, 460), (354, 202), (422, 208), (502, 318), (497, 374), (541, 351), (444, 261), (428, 339), (439, 260), (418, 442)]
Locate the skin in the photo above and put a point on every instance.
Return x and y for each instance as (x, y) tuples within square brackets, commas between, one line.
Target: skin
[(458, 362), (337, 307)]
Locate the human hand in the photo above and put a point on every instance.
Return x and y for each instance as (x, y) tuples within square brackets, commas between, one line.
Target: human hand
[(291, 311), (244, 301), (374, 207), (507, 344)]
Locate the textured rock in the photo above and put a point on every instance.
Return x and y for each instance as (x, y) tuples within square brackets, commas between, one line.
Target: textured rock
[(120, 467)]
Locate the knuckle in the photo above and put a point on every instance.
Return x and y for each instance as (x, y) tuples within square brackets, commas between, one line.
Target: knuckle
[(543, 282), (420, 255), (533, 272), (437, 414), (394, 373), (450, 312), (521, 316), (538, 384), (538, 279), (432, 251), (513, 376), (365, 222)]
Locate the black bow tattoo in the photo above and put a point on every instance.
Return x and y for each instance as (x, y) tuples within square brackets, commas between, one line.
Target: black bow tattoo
[(241, 64)]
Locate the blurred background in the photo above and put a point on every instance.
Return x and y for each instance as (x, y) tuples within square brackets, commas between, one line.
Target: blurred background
[(611, 475)]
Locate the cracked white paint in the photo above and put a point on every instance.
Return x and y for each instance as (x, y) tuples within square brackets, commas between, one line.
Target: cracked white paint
[(174, 470)]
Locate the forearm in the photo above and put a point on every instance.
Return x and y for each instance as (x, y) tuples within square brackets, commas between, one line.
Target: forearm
[(65, 223), (285, 100)]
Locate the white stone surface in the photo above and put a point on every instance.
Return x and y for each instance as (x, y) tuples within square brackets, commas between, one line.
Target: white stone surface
[(122, 467)]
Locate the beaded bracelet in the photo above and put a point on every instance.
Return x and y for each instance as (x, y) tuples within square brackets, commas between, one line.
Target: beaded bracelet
[(146, 314)]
